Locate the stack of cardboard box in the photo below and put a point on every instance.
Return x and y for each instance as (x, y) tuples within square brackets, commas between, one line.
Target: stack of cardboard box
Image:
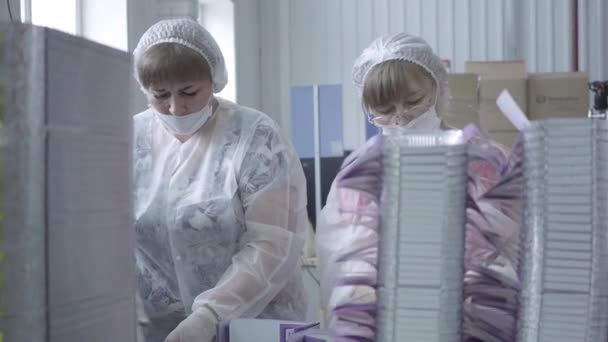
[(472, 96), (462, 103), (494, 77), (558, 95), (67, 266)]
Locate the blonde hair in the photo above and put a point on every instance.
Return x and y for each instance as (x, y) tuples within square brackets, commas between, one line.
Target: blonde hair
[(169, 63), (389, 81)]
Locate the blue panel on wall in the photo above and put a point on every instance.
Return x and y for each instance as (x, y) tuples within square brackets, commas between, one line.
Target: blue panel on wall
[(330, 121), (302, 122)]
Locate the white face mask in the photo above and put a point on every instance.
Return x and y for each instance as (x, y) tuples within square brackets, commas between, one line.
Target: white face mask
[(428, 121), (186, 124)]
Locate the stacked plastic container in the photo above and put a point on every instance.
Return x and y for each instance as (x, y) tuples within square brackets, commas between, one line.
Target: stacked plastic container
[(565, 259), (422, 238), (66, 235)]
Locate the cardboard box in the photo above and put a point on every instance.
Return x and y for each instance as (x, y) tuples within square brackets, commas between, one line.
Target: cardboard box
[(558, 95), (494, 77), (496, 69), (490, 116), (506, 138), (463, 102)]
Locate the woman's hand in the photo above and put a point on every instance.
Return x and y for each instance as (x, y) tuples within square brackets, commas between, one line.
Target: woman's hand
[(200, 326)]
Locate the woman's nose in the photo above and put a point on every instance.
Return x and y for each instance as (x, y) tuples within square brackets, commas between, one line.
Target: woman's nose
[(177, 107)]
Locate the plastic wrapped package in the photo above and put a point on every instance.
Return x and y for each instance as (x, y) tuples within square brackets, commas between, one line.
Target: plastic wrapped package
[(564, 261), (493, 217), (422, 238), (349, 269), (67, 226)]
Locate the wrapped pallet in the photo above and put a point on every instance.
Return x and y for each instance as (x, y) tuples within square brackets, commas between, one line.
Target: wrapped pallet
[(564, 261), (421, 248), (67, 240)]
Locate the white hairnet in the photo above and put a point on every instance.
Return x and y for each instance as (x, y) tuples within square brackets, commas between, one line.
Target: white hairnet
[(400, 46), (189, 33)]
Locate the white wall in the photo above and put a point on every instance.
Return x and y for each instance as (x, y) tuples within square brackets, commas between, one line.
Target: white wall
[(60, 14), (105, 21), (593, 38), (547, 34), (327, 35), (102, 21), (140, 16), (166, 9), (218, 18), (305, 42), (247, 44)]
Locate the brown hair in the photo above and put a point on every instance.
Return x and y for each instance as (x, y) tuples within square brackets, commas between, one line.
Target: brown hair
[(390, 81), (171, 62)]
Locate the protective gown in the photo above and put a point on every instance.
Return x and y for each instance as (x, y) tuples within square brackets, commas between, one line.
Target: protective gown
[(349, 228), (220, 220)]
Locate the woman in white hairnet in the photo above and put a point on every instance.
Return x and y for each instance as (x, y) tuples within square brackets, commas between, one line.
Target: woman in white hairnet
[(402, 83), (219, 195)]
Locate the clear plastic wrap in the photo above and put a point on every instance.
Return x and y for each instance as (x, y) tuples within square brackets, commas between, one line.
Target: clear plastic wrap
[(422, 237), (565, 261)]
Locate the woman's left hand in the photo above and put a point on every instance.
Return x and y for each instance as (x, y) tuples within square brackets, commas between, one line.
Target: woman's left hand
[(200, 326)]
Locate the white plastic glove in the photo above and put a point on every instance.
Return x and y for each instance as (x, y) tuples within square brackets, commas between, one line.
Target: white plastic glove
[(200, 326)]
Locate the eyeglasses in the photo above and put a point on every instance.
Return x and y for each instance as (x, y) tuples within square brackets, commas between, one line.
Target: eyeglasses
[(400, 119)]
